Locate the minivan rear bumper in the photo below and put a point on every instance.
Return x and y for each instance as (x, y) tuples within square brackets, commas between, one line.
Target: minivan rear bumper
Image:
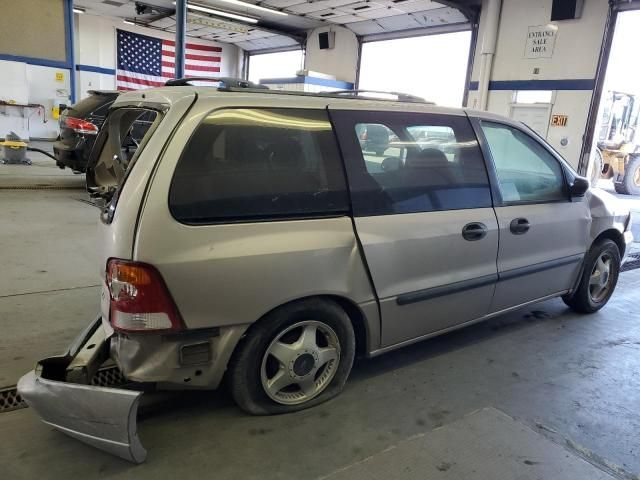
[(102, 417)]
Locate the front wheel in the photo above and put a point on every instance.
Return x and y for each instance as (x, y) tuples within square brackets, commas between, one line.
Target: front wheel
[(599, 278), (297, 356)]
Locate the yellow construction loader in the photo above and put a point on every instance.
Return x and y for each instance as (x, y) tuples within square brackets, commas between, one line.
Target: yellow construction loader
[(619, 142)]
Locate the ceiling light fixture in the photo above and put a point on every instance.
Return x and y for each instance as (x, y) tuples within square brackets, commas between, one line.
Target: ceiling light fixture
[(256, 7), (207, 21), (221, 13), (78, 10)]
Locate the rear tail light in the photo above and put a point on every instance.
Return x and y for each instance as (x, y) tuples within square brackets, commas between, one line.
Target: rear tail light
[(139, 299), (80, 126)]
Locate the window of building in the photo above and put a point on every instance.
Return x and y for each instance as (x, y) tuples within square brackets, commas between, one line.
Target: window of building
[(275, 65)]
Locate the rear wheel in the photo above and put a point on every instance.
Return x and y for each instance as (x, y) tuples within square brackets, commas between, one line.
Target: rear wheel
[(630, 184), (297, 356), (599, 278)]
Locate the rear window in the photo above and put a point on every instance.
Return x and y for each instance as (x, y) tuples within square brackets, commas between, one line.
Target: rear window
[(252, 164), (92, 105)]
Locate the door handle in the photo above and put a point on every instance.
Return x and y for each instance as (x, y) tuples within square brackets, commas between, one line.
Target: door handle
[(474, 231), (518, 226)]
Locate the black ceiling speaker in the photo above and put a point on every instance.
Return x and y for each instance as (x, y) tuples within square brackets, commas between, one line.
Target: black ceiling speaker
[(566, 9), (327, 40)]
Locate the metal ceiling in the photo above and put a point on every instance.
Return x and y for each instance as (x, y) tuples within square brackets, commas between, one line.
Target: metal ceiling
[(363, 17)]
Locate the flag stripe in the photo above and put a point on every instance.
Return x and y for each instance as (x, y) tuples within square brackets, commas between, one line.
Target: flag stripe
[(139, 81), (172, 60), (197, 68), (205, 58), (194, 46)]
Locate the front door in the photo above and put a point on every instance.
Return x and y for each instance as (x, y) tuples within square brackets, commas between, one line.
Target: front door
[(423, 214), (543, 233)]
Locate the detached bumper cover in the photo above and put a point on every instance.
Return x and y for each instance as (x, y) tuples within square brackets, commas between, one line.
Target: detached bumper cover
[(102, 417)]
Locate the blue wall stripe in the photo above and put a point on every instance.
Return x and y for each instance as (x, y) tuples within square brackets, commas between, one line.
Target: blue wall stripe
[(91, 68), (325, 82), (570, 84), (43, 62)]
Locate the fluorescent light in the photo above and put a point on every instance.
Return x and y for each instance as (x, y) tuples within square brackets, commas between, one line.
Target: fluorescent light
[(256, 7), (220, 13), (78, 10), (128, 22)]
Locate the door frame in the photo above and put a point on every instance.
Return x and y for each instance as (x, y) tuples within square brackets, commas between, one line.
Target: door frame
[(615, 7)]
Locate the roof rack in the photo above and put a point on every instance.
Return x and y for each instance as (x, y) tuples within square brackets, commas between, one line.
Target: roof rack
[(401, 97), (225, 82), (230, 84)]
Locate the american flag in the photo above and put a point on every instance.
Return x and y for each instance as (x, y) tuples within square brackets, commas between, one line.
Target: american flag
[(145, 61)]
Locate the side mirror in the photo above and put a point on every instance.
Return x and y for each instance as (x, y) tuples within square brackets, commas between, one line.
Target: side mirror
[(578, 187)]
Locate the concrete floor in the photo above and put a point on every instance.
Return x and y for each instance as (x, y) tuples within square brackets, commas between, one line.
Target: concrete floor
[(574, 379)]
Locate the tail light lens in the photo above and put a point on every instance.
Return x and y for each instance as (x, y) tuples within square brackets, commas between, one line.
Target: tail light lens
[(139, 299), (80, 126)]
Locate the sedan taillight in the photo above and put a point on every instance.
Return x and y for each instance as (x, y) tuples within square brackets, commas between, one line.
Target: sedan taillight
[(80, 126), (139, 299)]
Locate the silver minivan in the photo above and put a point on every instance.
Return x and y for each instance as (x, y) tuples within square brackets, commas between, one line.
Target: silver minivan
[(250, 236)]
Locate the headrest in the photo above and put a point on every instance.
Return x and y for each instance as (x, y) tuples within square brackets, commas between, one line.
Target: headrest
[(427, 158)]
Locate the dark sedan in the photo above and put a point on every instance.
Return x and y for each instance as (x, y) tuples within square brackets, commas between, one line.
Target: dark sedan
[(79, 125)]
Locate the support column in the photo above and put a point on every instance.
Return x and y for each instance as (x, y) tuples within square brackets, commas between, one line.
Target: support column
[(70, 50), (181, 28)]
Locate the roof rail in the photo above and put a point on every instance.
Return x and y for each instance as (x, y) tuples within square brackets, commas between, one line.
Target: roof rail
[(402, 97), (225, 82)]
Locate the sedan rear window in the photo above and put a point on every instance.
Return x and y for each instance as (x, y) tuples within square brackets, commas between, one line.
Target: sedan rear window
[(251, 164)]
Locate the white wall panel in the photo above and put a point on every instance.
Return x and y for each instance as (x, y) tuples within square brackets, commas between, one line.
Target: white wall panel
[(340, 61)]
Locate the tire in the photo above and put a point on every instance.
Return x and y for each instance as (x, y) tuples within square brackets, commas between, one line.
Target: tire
[(630, 184), (588, 298), (252, 369)]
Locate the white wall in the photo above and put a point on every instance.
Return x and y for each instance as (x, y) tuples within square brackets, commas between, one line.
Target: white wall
[(96, 47), (340, 61), (22, 83), (575, 56)]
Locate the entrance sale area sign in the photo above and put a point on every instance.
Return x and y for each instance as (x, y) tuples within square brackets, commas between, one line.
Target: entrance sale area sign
[(540, 41)]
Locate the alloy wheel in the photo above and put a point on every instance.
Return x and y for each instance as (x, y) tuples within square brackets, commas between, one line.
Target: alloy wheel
[(601, 278), (300, 362)]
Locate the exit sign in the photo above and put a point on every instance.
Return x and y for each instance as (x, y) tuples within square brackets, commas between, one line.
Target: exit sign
[(559, 120)]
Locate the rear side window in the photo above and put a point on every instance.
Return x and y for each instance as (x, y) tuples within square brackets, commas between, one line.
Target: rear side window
[(409, 162), (252, 164)]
